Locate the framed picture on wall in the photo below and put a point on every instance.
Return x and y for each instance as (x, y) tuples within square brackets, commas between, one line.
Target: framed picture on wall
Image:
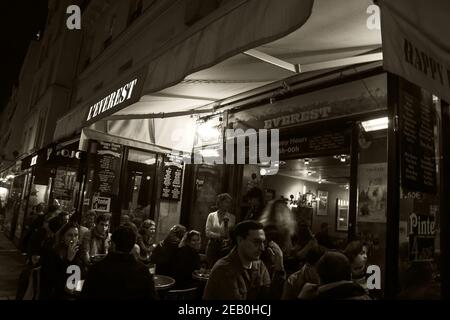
[(341, 215), (322, 203)]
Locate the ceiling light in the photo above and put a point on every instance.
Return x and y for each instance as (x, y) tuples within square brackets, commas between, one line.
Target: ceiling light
[(375, 124), (306, 161)]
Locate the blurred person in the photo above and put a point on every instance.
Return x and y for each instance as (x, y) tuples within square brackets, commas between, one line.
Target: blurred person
[(187, 260), (279, 224), (64, 253), (125, 218), (39, 247), (218, 225), (165, 251), (88, 224), (307, 274), (323, 238), (335, 273), (120, 276), (97, 241), (304, 239), (89, 219), (255, 202), (136, 251), (241, 275), (146, 238), (356, 252)]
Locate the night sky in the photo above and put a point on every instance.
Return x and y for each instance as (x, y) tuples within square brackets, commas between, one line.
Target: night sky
[(20, 21)]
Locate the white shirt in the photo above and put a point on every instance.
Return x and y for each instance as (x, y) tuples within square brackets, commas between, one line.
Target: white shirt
[(216, 229)]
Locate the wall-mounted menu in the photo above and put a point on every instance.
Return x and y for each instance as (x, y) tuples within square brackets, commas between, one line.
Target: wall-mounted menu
[(418, 166), (172, 181), (317, 144), (107, 175), (64, 184)]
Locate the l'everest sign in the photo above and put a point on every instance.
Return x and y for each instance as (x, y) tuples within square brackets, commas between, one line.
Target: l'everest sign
[(116, 98), (416, 43)]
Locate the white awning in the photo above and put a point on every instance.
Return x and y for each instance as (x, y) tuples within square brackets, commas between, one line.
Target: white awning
[(238, 53), (416, 42), (336, 34)]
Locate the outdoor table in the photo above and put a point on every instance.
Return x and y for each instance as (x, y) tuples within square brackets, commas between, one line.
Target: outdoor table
[(163, 282), (201, 275)]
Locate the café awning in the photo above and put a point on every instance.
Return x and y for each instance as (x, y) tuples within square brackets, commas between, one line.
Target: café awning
[(255, 45), (416, 42)]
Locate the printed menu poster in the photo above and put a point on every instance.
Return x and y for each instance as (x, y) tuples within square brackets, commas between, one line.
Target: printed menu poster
[(172, 181), (64, 185), (372, 198)]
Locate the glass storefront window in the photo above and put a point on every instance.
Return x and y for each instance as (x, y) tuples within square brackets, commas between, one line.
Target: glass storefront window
[(419, 216), (372, 196), (138, 197)]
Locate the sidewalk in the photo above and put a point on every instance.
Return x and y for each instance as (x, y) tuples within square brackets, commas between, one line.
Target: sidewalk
[(12, 262)]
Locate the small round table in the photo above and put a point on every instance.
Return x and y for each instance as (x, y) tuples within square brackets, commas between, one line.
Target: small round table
[(201, 276), (163, 282)]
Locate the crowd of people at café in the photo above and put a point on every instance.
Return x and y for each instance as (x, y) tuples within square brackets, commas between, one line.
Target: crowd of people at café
[(266, 255)]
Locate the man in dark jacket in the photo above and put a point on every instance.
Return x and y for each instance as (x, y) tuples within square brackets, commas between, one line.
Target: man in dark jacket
[(241, 275), (119, 275)]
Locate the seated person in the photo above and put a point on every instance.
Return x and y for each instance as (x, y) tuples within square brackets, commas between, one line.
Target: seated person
[(307, 274), (54, 276), (119, 275), (165, 251), (97, 241), (146, 238), (356, 253), (241, 275), (187, 260), (336, 283)]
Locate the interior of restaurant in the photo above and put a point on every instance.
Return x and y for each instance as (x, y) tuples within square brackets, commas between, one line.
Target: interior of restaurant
[(315, 189)]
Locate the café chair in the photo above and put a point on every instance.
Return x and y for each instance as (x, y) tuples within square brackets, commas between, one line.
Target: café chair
[(181, 294)]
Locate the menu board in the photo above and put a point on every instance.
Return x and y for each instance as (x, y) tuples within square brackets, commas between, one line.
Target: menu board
[(107, 176), (64, 184), (172, 181), (313, 145), (418, 166)]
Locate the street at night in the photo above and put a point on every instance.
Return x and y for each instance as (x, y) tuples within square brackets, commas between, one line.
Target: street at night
[(225, 150)]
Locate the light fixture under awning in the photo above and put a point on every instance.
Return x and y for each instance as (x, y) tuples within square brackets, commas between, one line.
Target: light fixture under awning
[(375, 124)]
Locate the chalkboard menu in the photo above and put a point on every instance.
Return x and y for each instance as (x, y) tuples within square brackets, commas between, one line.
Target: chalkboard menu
[(172, 181), (64, 184), (107, 175), (418, 166), (315, 145)]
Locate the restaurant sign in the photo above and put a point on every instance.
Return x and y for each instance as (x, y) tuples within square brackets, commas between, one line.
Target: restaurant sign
[(116, 98), (352, 98), (417, 51)]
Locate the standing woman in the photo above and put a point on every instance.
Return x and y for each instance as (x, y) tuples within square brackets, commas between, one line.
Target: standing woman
[(65, 253), (218, 224)]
